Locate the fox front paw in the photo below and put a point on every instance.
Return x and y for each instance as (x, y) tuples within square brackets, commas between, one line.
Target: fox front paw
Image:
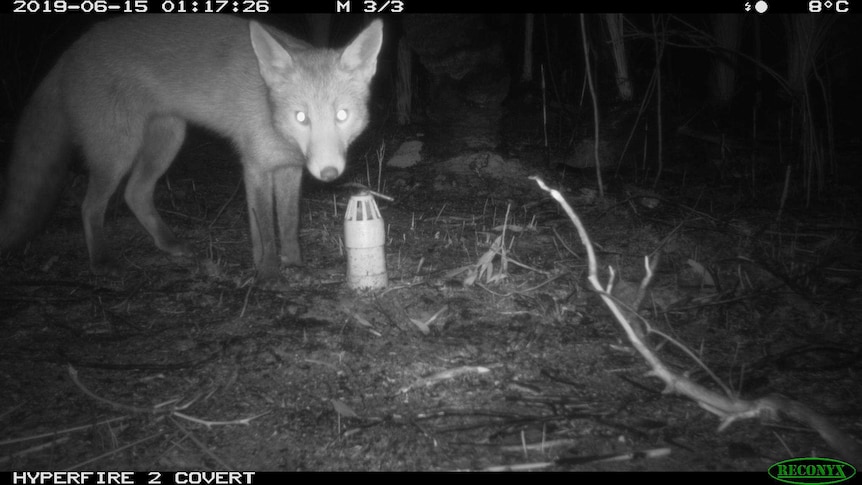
[(178, 248), (270, 278), (292, 261), (291, 255)]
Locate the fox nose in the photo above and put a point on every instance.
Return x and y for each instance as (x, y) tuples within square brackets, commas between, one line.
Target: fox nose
[(328, 174)]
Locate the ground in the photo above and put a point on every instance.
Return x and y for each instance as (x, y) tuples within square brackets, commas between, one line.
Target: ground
[(181, 364)]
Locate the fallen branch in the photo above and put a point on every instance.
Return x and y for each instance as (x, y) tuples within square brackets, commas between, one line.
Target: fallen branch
[(728, 406)]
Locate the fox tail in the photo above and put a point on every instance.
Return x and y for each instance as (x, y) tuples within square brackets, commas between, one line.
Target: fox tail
[(38, 165)]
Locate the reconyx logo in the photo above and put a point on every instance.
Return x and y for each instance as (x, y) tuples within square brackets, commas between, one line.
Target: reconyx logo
[(811, 471)]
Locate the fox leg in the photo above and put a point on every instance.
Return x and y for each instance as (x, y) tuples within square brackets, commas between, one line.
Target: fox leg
[(258, 193), (109, 156), (288, 185), (163, 137)]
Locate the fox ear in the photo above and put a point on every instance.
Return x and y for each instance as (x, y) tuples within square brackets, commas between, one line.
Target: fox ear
[(272, 58), (361, 54)]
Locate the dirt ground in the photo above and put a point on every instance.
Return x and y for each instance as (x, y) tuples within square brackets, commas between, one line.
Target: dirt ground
[(185, 364)]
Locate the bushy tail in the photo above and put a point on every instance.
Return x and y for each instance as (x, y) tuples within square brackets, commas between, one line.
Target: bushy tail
[(38, 165)]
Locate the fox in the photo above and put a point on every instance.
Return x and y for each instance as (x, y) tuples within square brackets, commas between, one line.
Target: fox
[(126, 90)]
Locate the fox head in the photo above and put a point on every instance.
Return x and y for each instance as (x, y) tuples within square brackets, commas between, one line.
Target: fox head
[(319, 97)]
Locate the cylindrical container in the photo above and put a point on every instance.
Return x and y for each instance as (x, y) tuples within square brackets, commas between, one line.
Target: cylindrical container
[(364, 238)]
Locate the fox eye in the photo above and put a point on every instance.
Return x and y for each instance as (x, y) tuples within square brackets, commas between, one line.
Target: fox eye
[(301, 117), (341, 115)]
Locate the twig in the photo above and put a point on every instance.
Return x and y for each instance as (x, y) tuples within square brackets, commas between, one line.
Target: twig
[(359, 186), (73, 374), (12, 441), (205, 449), (115, 450), (33, 449), (157, 409)]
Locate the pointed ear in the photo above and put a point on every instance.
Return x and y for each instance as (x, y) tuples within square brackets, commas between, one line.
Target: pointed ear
[(361, 54), (272, 58)]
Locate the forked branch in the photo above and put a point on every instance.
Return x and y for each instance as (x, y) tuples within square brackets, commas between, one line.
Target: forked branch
[(728, 407)]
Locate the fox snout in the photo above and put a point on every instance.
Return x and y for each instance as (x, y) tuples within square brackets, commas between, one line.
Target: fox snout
[(329, 174), (326, 167), (326, 160)]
